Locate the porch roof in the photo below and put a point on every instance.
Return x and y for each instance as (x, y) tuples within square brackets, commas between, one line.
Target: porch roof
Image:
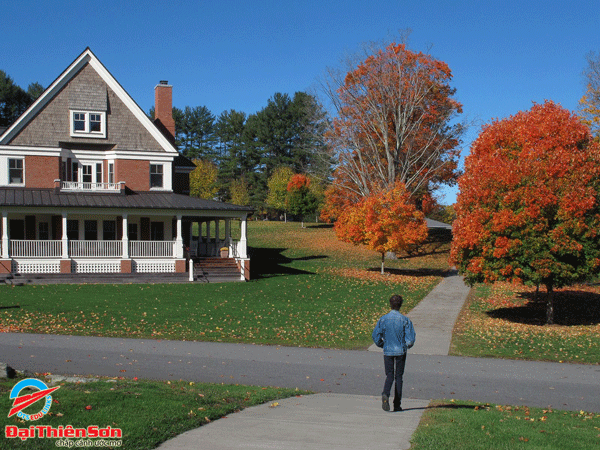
[(31, 197)]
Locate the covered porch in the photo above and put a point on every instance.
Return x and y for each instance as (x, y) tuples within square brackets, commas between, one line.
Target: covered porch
[(37, 240)]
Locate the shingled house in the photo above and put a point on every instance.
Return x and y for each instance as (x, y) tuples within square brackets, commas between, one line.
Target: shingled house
[(89, 184)]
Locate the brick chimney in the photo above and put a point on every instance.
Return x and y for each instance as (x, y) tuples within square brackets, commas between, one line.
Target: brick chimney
[(163, 109)]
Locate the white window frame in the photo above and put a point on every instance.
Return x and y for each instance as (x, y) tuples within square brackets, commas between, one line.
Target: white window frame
[(111, 171), (87, 171), (162, 187), (86, 117), (22, 183)]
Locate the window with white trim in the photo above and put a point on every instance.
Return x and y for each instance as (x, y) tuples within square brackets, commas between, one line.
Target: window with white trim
[(156, 176), (88, 124), (15, 171), (86, 173), (98, 174)]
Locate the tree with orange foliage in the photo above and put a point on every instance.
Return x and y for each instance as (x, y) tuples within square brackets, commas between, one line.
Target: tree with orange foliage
[(528, 209), (384, 222), (395, 122)]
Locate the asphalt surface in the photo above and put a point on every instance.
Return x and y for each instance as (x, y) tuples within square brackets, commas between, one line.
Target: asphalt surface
[(562, 386), (346, 413)]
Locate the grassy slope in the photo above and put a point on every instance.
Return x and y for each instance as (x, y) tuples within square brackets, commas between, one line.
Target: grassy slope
[(308, 289)]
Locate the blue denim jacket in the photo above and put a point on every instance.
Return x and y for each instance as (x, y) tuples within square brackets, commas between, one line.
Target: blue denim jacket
[(395, 333)]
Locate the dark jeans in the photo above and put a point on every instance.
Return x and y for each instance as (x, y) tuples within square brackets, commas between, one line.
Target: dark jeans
[(394, 370)]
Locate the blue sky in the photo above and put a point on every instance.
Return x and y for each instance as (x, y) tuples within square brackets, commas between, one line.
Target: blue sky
[(230, 54)]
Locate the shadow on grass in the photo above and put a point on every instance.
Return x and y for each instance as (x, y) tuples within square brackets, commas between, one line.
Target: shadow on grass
[(423, 272), (444, 406), (270, 262), (320, 225), (453, 406), (10, 307), (571, 308)]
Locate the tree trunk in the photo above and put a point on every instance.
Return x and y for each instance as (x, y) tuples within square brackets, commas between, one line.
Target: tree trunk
[(382, 263), (549, 305)]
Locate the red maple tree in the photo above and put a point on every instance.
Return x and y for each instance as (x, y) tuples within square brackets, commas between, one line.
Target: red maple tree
[(528, 209)]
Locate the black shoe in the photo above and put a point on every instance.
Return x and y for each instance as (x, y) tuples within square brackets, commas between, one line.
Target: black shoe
[(385, 402), (397, 408)]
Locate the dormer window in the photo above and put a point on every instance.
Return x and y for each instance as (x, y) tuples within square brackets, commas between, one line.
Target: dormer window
[(88, 124)]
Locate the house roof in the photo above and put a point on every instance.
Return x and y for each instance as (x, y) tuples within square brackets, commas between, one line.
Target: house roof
[(92, 98), (436, 224), (31, 197)]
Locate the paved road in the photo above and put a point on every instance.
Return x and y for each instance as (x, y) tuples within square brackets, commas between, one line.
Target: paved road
[(562, 386)]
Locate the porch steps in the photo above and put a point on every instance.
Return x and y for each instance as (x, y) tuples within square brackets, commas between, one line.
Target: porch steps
[(94, 278), (216, 270)]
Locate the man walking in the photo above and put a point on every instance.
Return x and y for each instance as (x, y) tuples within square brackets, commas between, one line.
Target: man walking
[(395, 333)]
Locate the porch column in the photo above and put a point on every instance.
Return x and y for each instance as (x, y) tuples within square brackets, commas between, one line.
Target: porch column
[(125, 238), (4, 235), (228, 233), (191, 235), (207, 251), (243, 240), (179, 239), (65, 240), (217, 240)]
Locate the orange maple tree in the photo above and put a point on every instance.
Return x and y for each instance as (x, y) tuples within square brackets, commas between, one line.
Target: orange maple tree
[(528, 209), (395, 122), (384, 222)]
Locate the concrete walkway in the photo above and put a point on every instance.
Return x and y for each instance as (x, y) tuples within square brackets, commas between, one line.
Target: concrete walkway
[(435, 315), (338, 421), (315, 422)]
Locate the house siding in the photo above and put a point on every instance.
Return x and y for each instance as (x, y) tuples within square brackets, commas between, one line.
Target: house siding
[(51, 127)]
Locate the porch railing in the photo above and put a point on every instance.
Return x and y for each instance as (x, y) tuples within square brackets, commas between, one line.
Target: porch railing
[(151, 248), (41, 249), (87, 186), (113, 249), (95, 248)]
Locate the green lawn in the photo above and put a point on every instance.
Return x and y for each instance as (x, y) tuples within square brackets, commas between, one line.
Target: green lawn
[(467, 425), (506, 321), (308, 290), (147, 412)]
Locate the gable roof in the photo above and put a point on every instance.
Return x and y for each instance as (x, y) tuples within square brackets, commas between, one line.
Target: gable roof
[(87, 57)]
